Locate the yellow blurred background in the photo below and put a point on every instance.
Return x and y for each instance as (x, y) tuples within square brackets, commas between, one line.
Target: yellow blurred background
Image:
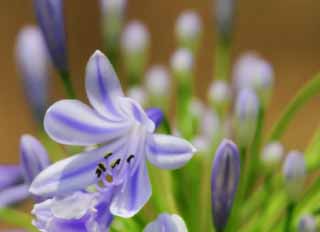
[(285, 32)]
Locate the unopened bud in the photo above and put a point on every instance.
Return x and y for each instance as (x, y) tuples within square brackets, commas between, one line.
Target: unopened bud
[(182, 61), (33, 62), (138, 94), (219, 96), (272, 154), (188, 30), (224, 182), (307, 223), (294, 172), (253, 72), (167, 223), (246, 113)]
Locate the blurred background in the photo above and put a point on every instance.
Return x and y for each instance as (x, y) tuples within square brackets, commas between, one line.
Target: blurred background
[(286, 33)]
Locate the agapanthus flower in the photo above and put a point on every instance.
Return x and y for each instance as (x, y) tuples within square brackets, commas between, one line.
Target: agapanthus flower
[(126, 136), (167, 223), (78, 212), (15, 179)]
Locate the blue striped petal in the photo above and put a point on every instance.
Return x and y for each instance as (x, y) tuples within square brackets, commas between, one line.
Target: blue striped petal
[(10, 175), (169, 152), (13, 195), (74, 123)]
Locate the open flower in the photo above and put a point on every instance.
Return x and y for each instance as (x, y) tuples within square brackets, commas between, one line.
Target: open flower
[(126, 137), (80, 211)]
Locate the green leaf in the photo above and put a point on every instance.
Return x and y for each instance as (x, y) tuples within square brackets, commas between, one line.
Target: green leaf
[(17, 218)]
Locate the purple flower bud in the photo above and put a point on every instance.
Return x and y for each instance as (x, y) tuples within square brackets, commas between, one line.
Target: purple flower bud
[(155, 115), (220, 95), (294, 172), (182, 61), (246, 113), (307, 223), (34, 157), (272, 154), (32, 59), (224, 182), (51, 21)]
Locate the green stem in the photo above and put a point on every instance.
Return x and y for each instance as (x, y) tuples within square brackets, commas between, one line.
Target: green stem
[(311, 89), (253, 161), (289, 217), (222, 59), (65, 77), (17, 218)]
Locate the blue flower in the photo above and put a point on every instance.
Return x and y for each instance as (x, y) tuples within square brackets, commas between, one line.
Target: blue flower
[(224, 182), (15, 179), (167, 223), (80, 211), (51, 22), (126, 137)]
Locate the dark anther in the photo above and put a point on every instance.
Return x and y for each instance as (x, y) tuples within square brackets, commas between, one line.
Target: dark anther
[(117, 162), (108, 155), (130, 158), (98, 172), (102, 167)]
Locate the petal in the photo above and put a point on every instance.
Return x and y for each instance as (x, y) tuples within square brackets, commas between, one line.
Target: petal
[(156, 115), (74, 123), (133, 194), (34, 157), (167, 223), (74, 173), (10, 175), (13, 195), (102, 85), (169, 152)]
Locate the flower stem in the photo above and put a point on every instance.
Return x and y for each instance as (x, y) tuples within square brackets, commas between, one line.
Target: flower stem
[(222, 59), (65, 77), (311, 89), (289, 216)]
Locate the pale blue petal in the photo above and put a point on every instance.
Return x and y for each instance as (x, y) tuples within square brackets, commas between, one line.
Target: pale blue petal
[(34, 157), (10, 175), (133, 194), (74, 123), (74, 173), (169, 152), (102, 85), (13, 195), (167, 223)]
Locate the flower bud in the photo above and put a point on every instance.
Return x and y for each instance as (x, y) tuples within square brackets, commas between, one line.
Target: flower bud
[(246, 113), (272, 154), (34, 157), (224, 17), (51, 22), (219, 96), (224, 182), (188, 30), (307, 223), (167, 223), (135, 43), (158, 86), (32, 60), (138, 94), (211, 124), (251, 71), (294, 172), (197, 110), (182, 61)]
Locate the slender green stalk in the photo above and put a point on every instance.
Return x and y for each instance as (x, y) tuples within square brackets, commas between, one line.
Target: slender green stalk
[(289, 217), (311, 89), (65, 77), (17, 218), (311, 153), (222, 59)]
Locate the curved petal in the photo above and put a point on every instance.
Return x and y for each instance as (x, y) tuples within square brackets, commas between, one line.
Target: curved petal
[(102, 85), (13, 195), (74, 173), (167, 223), (169, 152), (34, 157), (10, 175), (130, 197), (74, 123)]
